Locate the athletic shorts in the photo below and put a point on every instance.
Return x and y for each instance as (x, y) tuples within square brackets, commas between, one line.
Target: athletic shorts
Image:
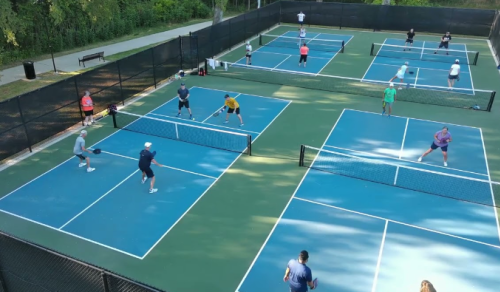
[(409, 41), (301, 22), (452, 77), (81, 156), (148, 171), (434, 147), (184, 104), (443, 45), (400, 75), (232, 110), (89, 113), (303, 58), (249, 55), (389, 104)]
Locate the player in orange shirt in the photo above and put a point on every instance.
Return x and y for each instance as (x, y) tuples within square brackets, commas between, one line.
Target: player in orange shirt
[(88, 109), (304, 50)]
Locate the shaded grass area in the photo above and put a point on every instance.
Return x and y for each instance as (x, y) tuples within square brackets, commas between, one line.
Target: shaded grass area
[(227, 227)]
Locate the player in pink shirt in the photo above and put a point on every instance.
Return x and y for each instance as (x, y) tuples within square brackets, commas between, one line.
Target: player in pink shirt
[(441, 139)]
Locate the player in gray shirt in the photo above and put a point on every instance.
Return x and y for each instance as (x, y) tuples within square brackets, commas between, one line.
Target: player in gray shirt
[(80, 148)]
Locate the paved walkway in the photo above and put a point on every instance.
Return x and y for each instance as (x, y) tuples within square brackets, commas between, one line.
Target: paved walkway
[(69, 63)]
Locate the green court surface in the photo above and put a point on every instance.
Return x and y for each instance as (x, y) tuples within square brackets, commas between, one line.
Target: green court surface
[(213, 245)]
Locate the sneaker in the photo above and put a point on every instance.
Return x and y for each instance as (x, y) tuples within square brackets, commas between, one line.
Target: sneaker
[(445, 163), (225, 122), (191, 117), (242, 125), (419, 159), (90, 169), (144, 180), (85, 124), (178, 115), (82, 164), (383, 112), (153, 191)]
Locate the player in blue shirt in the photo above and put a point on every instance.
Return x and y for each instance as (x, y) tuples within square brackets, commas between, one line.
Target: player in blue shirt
[(145, 159), (299, 275), (183, 94)]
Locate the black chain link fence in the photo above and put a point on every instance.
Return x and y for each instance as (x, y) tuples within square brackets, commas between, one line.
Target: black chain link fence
[(26, 267)]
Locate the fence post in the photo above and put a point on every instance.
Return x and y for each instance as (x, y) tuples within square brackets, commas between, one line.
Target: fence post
[(154, 67), (78, 98), (24, 122), (120, 80), (105, 281)]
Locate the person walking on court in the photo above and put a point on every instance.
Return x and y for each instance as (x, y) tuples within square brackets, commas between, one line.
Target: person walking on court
[(88, 109), (301, 17), (304, 50), (248, 53), (145, 159), (453, 74), (401, 74), (298, 275), (427, 286), (183, 94), (441, 139), (78, 150), (388, 98)]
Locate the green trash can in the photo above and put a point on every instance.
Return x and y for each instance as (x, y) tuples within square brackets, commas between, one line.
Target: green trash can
[(29, 70)]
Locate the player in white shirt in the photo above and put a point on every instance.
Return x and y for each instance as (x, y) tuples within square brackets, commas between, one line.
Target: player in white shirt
[(302, 35), (301, 17), (248, 53), (454, 74), (401, 74)]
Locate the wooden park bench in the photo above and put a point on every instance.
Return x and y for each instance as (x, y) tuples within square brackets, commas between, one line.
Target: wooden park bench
[(99, 56)]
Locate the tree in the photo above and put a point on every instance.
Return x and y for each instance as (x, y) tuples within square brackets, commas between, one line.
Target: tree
[(220, 7), (9, 23)]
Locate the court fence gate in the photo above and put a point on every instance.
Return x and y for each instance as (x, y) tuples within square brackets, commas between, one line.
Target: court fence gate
[(25, 266)]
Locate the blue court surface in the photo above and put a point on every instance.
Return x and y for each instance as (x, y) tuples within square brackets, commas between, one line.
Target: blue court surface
[(113, 209), (366, 236), (282, 52), (428, 69)]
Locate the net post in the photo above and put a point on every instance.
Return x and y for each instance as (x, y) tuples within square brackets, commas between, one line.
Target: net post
[(260, 40), (301, 156), (371, 50), (206, 67), (475, 58), (492, 98), (343, 46), (19, 107), (249, 142), (115, 124)]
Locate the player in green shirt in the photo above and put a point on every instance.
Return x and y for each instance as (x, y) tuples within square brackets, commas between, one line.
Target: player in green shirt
[(388, 98)]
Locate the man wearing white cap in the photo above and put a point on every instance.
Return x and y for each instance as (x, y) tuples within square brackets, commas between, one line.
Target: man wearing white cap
[(145, 159), (248, 53), (401, 74), (388, 98), (78, 150), (454, 74)]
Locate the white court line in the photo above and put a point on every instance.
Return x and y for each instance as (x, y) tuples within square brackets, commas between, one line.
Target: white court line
[(286, 207), (443, 123), (281, 62), (164, 166), (491, 187), (335, 55), (397, 222), (95, 202), (422, 52), (70, 234), (404, 138), (416, 78), (225, 170), (405, 160), (244, 58), (383, 32), (470, 75), (379, 260), (374, 58)]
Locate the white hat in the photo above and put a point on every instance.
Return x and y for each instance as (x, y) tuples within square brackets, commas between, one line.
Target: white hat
[(148, 144), (391, 84), (406, 63), (457, 61), (83, 132)]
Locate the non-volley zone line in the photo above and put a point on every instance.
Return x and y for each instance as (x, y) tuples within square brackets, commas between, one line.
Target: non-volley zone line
[(397, 222)]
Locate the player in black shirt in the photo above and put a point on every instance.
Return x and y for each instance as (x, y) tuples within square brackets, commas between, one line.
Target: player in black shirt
[(145, 160), (183, 95), (444, 42), (409, 39)]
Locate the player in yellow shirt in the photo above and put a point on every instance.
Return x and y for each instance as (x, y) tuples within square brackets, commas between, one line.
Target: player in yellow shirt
[(234, 107)]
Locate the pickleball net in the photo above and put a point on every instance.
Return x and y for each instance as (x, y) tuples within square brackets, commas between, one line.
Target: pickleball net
[(189, 133), (314, 44), (378, 171), (457, 97), (424, 54)]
